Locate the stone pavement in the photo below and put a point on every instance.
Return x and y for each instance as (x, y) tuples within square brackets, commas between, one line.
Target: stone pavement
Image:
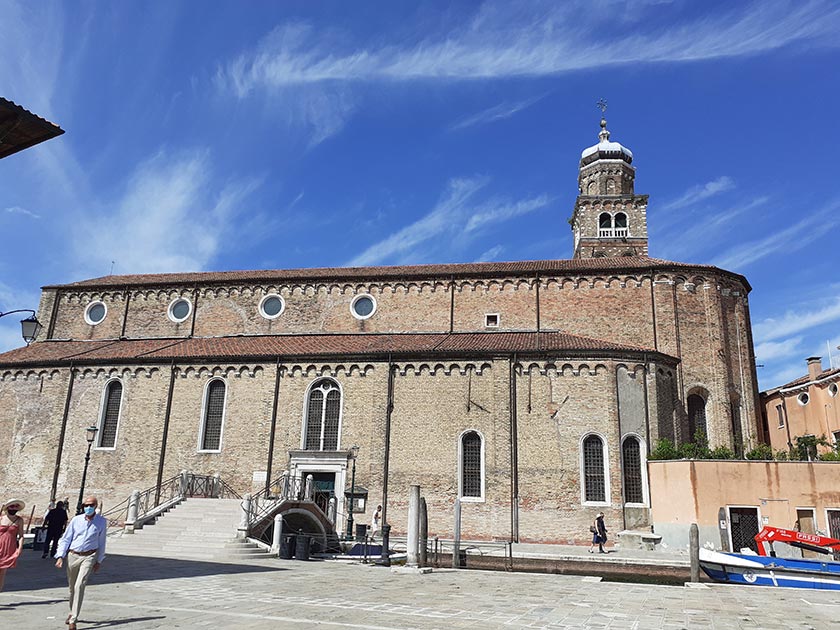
[(133, 592)]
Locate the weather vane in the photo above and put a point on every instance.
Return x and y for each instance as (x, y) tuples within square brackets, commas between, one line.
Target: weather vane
[(602, 105)]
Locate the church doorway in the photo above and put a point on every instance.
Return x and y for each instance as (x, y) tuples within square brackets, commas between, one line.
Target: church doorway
[(324, 489)]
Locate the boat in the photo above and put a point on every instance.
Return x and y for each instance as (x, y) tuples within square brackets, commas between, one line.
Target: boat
[(765, 568)]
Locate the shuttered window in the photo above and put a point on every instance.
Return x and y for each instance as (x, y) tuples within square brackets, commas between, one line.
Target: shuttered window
[(323, 413), (110, 415), (214, 408), (471, 465), (593, 469), (632, 465)]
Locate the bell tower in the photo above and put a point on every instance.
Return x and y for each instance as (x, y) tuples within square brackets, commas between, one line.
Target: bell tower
[(609, 218)]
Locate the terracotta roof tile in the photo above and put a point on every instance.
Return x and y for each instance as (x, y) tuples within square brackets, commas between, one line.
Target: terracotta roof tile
[(267, 347), (629, 264), (802, 380), (28, 131)]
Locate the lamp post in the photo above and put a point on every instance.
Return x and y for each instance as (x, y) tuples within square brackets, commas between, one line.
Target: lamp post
[(90, 436), (354, 453), (29, 327)]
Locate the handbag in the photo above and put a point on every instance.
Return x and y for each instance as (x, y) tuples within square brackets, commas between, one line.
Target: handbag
[(592, 529)]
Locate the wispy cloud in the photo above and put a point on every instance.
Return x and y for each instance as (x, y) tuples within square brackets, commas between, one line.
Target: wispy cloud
[(790, 239), (168, 219), (457, 213), (773, 350), (501, 41), (793, 322), (492, 114), (24, 211), (696, 194), (491, 254)]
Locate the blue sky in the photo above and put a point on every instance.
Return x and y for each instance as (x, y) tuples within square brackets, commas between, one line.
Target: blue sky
[(230, 135)]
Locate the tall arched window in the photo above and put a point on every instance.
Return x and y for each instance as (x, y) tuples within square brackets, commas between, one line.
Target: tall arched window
[(472, 473), (594, 470), (323, 411), (631, 464), (621, 224), (110, 416), (696, 415), (214, 411), (605, 224)]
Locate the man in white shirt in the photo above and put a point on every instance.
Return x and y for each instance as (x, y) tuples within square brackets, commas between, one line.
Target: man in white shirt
[(83, 546)]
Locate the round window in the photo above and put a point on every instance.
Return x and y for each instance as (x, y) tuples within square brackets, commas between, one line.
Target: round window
[(363, 306), (179, 309), (95, 313), (803, 399), (832, 390), (272, 306)]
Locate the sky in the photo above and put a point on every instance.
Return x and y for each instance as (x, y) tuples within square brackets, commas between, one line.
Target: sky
[(274, 135)]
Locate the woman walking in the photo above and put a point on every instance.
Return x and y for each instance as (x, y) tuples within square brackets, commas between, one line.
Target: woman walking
[(599, 533), (11, 536)]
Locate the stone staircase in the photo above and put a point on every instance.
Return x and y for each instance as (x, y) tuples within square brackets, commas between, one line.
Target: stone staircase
[(196, 529)]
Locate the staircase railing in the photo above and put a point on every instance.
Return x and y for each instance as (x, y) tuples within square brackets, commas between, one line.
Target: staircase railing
[(143, 506)]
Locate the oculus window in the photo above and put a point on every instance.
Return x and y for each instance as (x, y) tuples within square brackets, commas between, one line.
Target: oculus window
[(363, 306), (179, 310), (272, 306), (95, 313)]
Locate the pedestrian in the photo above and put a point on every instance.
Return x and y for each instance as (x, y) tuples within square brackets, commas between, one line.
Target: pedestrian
[(55, 522), (599, 533), (377, 517), (11, 536), (83, 546)]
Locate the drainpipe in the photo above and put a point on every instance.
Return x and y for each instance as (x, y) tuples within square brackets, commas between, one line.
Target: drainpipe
[(273, 430), (787, 425), (172, 372), (64, 416), (385, 560), (127, 298), (514, 453)]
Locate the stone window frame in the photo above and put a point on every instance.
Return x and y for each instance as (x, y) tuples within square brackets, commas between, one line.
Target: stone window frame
[(643, 468), (203, 425), (780, 411), (305, 415), (803, 398), (606, 454), (353, 306), (265, 298), (481, 498), (488, 320), (103, 403), (88, 320), (169, 308), (832, 389)]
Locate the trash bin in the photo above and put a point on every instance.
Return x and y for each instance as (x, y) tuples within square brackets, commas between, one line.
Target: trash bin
[(361, 531), (287, 546), (302, 547)]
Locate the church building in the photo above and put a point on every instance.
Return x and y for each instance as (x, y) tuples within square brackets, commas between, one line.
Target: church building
[(532, 391)]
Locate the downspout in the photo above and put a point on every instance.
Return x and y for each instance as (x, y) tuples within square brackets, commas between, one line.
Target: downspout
[(787, 425), (194, 311), (64, 417), (172, 372), (389, 407), (514, 453), (273, 430), (127, 298)]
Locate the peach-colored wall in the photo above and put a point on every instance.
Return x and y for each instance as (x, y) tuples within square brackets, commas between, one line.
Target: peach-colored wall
[(686, 491), (820, 416)]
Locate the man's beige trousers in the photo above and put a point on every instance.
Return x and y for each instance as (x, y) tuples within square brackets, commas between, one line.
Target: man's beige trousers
[(79, 569)]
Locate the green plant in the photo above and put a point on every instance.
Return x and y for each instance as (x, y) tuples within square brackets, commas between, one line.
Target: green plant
[(805, 447), (762, 452), (722, 452), (664, 449), (782, 456)]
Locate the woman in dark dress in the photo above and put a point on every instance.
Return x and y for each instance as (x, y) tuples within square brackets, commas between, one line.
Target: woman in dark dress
[(599, 534)]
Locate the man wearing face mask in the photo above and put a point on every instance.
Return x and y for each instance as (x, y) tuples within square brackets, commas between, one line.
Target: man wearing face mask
[(83, 546)]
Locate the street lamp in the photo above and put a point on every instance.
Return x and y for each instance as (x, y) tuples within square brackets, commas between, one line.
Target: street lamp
[(90, 436), (29, 327), (354, 453)]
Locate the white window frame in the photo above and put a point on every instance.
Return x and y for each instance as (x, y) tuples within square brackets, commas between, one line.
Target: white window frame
[(481, 497), (301, 465), (780, 411), (90, 306), (353, 305), (487, 317), (832, 389), (323, 409), (172, 317), (803, 398), (607, 492), (203, 419), (263, 301), (642, 464), (102, 410)]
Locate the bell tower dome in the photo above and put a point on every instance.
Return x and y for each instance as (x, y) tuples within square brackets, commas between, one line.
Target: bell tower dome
[(609, 218)]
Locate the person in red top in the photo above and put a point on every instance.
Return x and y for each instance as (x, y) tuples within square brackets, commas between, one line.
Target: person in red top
[(11, 536)]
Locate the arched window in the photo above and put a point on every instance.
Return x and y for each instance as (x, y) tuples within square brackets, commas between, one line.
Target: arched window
[(214, 411), (323, 412), (594, 470), (110, 416), (631, 463), (605, 225), (472, 466), (696, 415), (621, 224), (610, 186)]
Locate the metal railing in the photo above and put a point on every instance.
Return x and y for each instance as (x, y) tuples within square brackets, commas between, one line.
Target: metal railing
[(143, 506)]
